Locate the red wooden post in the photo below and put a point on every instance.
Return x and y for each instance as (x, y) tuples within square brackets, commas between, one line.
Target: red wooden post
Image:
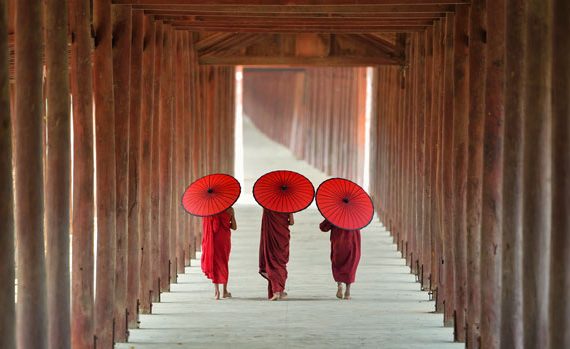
[(29, 192), (147, 131), (537, 169), (154, 194), (188, 128), (134, 181), (164, 142), (82, 223), (512, 273), (122, 35), (492, 201), (477, 59), (179, 142), (560, 273), (460, 143), (58, 172), (7, 266), (105, 172)]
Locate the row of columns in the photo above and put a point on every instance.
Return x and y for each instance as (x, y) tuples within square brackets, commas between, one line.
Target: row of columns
[(470, 169), (130, 120), (319, 113)]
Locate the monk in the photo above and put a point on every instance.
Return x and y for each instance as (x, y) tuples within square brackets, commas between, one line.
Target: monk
[(345, 255), (216, 246), (274, 251)]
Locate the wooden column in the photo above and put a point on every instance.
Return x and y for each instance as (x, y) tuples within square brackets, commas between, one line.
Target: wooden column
[(134, 181), (145, 168), (537, 167), (28, 175), (154, 194), (7, 265), (427, 231), (121, 35), (188, 128), (448, 293), (512, 273), (58, 172), (477, 59), (82, 223), (180, 159), (460, 143), (105, 172), (492, 201), (559, 271), (164, 142)]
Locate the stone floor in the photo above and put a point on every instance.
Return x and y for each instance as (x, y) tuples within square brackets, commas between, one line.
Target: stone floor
[(388, 310)]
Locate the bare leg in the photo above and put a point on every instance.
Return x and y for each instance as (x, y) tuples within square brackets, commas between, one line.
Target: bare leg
[(339, 290), (226, 294), (347, 292), (216, 291)]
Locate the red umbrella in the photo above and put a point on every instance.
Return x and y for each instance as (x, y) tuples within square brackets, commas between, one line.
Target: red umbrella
[(283, 191), (211, 195), (345, 204)]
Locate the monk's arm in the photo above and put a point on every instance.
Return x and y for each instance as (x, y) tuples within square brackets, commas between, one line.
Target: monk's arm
[(291, 219)]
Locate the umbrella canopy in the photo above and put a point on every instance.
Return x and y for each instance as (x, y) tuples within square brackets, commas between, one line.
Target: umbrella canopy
[(283, 191), (345, 204), (211, 195)]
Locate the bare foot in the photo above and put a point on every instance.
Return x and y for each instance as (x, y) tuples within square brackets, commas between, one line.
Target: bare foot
[(339, 291), (283, 295), (217, 296), (227, 295), (275, 297)]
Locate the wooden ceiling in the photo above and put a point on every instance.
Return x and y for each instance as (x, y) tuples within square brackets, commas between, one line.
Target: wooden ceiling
[(289, 32)]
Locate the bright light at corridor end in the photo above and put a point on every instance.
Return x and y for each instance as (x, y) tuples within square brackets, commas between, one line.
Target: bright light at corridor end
[(368, 115), (238, 136)]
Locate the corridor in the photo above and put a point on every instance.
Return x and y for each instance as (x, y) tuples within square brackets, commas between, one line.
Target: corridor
[(388, 310)]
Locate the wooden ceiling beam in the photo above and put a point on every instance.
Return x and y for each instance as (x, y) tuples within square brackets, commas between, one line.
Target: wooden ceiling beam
[(212, 40), (297, 61), (233, 43), (295, 9), (320, 29), (308, 3), (307, 23), (199, 15)]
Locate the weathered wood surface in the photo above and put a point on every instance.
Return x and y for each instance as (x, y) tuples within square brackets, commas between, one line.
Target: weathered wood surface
[(105, 173), (82, 220), (32, 325), (58, 173)]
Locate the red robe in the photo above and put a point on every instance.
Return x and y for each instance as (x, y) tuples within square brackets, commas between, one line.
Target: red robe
[(216, 246), (345, 252), (274, 250)]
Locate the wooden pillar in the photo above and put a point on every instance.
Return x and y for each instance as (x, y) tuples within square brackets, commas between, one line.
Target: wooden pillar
[(179, 141), (145, 168), (512, 292), (477, 58), (134, 182), (28, 176), (155, 230), (537, 167), (492, 201), (188, 128), (460, 143), (58, 172), (105, 172), (121, 35), (427, 231), (448, 293), (7, 258), (82, 223), (164, 142), (559, 271)]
